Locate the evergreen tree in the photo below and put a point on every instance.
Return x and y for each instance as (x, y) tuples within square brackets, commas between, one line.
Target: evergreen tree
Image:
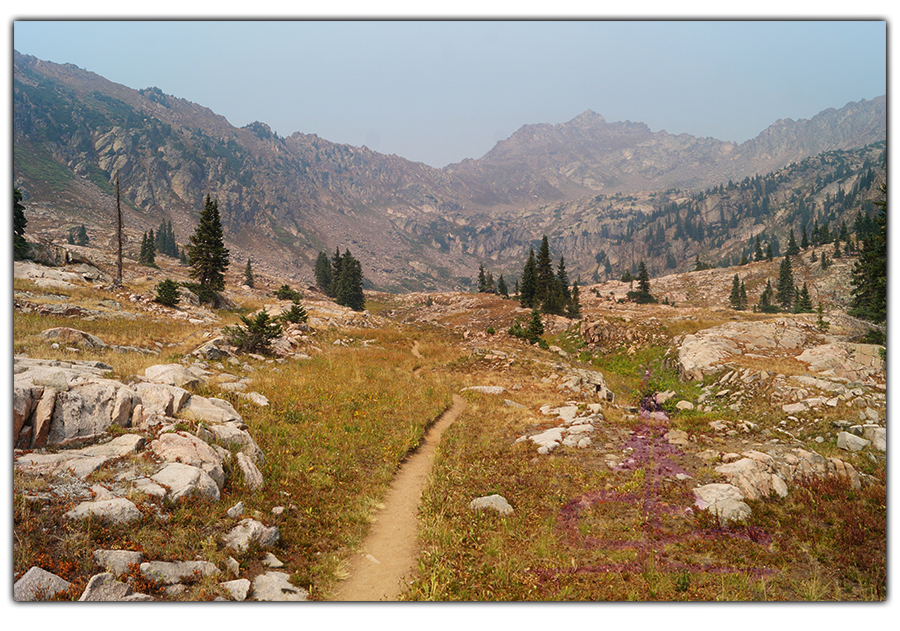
[(256, 335), (837, 250), (248, 274), (70, 238), (735, 297), (167, 292), (543, 272), (482, 279), (784, 295), (573, 311), (336, 263), (744, 260), (803, 303), (148, 250), (643, 278), (767, 300), (825, 262), (20, 245), (81, 236), (757, 251), (489, 283), (535, 326), (562, 280), (869, 276), (528, 285), (206, 251), (323, 273), (792, 248), (769, 253), (349, 284), (804, 242), (743, 298), (501, 287)]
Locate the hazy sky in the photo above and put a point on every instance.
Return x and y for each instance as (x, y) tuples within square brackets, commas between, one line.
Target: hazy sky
[(439, 92)]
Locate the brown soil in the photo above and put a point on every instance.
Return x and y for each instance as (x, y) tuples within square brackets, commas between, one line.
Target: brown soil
[(382, 566)]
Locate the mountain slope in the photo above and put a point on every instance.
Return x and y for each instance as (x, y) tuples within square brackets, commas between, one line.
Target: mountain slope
[(412, 226)]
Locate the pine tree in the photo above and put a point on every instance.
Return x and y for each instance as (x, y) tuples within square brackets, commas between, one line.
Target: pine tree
[(323, 273), (20, 245), (167, 293), (643, 278), (535, 326), (248, 274), (792, 248), (502, 288), (766, 300), (769, 253), (735, 298), (743, 298), (803, 303), (529, 282), (784, 295), (837, 250), (349, 284), (804, 242), (573, 311), (148, 250), (869, 276), (562, 279), (336, 263), (758, 252), (482, 279), (207, 252), (81, 236), (70, 238), (543, 272), (489, 284)]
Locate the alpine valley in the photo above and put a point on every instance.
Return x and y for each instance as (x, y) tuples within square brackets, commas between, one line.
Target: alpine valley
[(607, 194)]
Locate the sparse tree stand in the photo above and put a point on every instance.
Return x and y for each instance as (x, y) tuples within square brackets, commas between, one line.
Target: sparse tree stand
[(869, 279), (206, 251), (20, 245)]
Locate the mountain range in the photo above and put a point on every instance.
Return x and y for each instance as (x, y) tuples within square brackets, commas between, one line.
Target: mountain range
[(596, 188)]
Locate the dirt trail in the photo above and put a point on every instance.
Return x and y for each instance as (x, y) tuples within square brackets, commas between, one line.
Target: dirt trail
[(388, 554)]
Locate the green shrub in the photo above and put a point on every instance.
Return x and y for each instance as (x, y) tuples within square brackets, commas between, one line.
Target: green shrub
[(256, 335), (167, 293), (295, 315)]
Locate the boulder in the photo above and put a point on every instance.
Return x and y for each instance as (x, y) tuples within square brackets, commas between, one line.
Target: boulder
[(724, 500), (250, 531), (73, 337), (118, 510), (209, 409), (851, 442), (253, 479), (172, 572), (117, 561), (185, 448), (184, 480), (229, 435), (38, 584), (171, 375), (85, 411), (275, 586), (162, 399), (494, 502), (238, 589), (105, 588)]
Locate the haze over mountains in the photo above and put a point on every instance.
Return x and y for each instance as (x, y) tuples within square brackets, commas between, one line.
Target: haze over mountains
[(594, 187)]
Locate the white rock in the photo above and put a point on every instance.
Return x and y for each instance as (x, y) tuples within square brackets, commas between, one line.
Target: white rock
[(275, 586), (118, 510)]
